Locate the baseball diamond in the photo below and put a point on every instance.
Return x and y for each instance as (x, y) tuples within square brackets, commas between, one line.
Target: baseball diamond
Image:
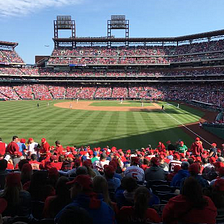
[(101, 123), (109, 129)]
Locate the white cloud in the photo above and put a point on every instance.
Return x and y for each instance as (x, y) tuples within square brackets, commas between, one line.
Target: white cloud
[(24, 7)]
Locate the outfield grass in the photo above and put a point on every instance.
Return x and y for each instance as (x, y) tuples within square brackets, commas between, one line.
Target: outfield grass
[(96, 128)]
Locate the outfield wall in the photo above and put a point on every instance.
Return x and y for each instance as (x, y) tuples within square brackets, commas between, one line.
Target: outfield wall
[(215, 129)]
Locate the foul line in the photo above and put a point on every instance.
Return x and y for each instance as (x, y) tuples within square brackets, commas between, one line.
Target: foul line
[(187, 127)]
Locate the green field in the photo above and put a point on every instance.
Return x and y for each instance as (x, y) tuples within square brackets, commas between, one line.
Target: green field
[(118, 104), (95, 128)]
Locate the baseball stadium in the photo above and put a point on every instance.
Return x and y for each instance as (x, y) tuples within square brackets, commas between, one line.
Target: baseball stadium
[(119, 86), (127, 98)]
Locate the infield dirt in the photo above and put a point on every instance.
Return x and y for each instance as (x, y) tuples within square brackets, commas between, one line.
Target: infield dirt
[(86, 105)]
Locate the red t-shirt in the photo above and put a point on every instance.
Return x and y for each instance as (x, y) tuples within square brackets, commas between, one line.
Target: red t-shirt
[(196, 148), (45, 147), (2, 148), (144, 166), (179, 209), (59, 150), (127, 215), (49, 165), (12, 147), (10, 166)]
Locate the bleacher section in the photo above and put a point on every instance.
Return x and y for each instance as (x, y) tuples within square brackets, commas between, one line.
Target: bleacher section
[(209, 93), (10, 57), (138, 55)]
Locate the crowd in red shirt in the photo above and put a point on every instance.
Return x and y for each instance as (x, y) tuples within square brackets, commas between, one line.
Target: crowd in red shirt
[(69, 161)]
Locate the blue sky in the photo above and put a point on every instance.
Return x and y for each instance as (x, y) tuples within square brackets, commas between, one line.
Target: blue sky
[(30, 22)]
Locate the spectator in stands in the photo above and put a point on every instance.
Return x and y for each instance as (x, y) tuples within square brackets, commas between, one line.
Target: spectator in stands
[(163, 164), (174, 162), (39, 187), (217, 196), (99, 164), (154, 172), (53, 176), (190, 206), (171, 175), (72, 213), (45, 147), (19, 201), (220, 176), (95, 157), (194, 170), (32, 146), (84, 197), (182, 173), (140, 212), (100, 186), (134, 170), (161, 146), (59, 148), (2, 148), (81, 170), (53, 162), (222, 150), (3, 173), (213, 150), (170, 146), (145, 164), (26, 173), (182, 148), (113, 182), (34, 163), (3, 206), (196, 147), (208, 172), (53, 204), (22, 145), (89, 166), (12, 148)]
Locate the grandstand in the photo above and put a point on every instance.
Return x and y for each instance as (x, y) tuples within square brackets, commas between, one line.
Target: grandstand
[(143, 70), (186, 68)]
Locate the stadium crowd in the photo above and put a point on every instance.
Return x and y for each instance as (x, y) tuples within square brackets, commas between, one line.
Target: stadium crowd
[(29, 71), (208, 93), (124, 55), (169, 183), (11, 71), (10, 57), (103, 93), (140, 50), (138, 55)]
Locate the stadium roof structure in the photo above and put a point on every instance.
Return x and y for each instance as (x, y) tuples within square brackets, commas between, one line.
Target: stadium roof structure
[(190, 38), (9, 44)]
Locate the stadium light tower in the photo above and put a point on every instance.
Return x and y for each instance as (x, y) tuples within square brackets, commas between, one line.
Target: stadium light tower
[(64, 23), (118, 22)]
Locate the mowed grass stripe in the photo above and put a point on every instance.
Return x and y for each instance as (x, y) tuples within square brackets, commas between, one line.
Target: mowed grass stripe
[(38, 127), (106, 127), (71, 128), (186, 118), (87, 124), (98, 132), (132, 123), (111, 126), (122, 129), (166, 127), (62, 128), (147, 127), (47, 122), (93, 130)]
